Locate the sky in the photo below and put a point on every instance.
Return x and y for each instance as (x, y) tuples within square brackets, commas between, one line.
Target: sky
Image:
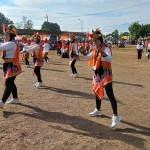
[(79, 15)]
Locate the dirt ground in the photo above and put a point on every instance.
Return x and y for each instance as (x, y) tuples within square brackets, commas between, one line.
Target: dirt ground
[(56, 116)]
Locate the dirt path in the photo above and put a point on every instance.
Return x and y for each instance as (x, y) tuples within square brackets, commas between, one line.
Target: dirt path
[(55, 117)]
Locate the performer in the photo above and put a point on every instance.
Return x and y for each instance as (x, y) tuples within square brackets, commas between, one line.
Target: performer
[(25, 57), (73, 49), (59, 45), (46, 50), (38, 59), (100, 58), (148, 50), (146, 43), (140, 48), (11, 65), (87, 46), (64, 50)]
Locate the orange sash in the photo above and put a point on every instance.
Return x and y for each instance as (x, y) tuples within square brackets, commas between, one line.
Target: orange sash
[(40, 58), (71, 48), (99, 81), (16, 68)]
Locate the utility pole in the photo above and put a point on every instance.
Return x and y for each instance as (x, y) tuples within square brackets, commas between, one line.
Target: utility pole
[(46, 17)]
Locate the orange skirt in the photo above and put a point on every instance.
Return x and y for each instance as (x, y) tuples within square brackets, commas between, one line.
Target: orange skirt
[(99, 81)]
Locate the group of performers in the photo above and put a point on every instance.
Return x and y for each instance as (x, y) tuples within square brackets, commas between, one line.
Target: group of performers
[(99, 56)]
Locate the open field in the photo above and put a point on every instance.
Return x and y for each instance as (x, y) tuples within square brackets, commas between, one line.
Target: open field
[(55, 117)]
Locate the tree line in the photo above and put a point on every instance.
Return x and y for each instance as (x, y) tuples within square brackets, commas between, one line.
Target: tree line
[(26, 23), (136, 30)]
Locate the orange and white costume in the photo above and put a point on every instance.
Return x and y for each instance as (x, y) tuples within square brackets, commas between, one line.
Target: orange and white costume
[(64, 50), (102, 69), (46, 50), (25, 42)]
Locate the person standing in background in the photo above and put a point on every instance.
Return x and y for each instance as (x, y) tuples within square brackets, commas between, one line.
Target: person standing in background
[(140, 48)]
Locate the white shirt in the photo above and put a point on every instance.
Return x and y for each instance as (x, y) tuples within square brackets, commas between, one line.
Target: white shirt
[(9, 48), (75, 48), (108, 58), (91, 46), (35, 47), (25, 46), (46, 47), (140, 46), (148, 46)]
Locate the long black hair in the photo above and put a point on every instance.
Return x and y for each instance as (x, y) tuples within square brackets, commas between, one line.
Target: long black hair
[(73, 40), (12, 35), (38, 39)]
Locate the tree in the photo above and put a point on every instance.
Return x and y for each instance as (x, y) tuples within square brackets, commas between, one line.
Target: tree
[(18, 25), (29, 24), (121, 35), (50, 26), (4, 20), (125, 33), (134, 29), (115, 34), (24, 24)]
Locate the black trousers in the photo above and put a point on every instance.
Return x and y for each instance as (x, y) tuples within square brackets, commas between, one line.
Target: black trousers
[(27, 61), (110, 94), (59, 51), (46, 58), (73, 68), (148, 55), (37, 71), (10, 86), (139, 54)]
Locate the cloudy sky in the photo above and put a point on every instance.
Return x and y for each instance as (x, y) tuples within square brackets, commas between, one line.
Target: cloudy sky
[(79, 15)]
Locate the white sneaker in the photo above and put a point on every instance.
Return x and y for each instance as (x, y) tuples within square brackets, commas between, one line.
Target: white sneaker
[(39, 84), (115, 121), (96, 113), (27, 66), (75, 75), (71, 75), (35, 84), (13, 101), (1, 104)]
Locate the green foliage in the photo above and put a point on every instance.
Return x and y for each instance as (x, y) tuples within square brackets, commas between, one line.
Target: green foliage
[(115, 34), (50, 26), (24, 24), (139, 31), (134, 29), (121, 35), (4, 20), (125, 33)]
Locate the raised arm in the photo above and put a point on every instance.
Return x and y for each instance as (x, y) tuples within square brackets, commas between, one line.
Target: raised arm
[(36, 47), (6, 47)]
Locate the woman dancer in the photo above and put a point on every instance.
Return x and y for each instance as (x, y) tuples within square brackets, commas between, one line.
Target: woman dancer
[(73, 49), (100, 59), (11, 65), (38, 59)]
